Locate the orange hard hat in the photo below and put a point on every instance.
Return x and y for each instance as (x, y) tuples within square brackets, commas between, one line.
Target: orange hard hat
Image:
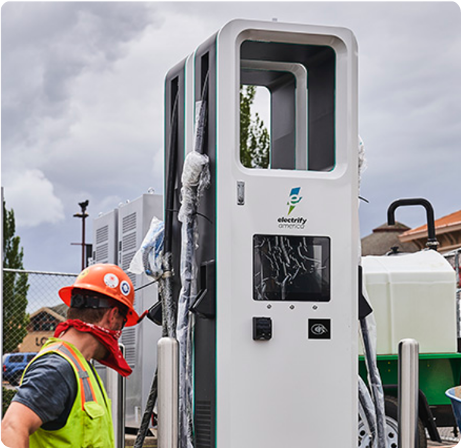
[(107, 279)]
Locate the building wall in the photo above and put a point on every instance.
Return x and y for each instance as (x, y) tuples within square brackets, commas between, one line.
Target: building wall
[(34, 341)]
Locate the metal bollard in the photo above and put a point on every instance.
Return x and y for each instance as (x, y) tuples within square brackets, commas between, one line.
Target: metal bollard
[(168, 380), (408, 392)]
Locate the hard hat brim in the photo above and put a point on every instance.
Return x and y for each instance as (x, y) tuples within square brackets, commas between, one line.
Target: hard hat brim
[(66, 293)]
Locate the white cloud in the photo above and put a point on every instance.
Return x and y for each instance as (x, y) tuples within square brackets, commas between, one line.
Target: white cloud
[(31, 195), (82, 100)]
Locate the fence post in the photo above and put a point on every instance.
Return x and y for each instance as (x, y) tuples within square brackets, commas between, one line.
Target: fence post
[(1, 300), (408, 388)]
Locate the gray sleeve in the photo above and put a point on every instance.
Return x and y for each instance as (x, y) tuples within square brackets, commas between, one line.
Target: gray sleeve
[(49, 389)]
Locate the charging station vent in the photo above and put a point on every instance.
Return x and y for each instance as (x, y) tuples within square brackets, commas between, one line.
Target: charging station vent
[(203, 424), (102, 253), (126, 260), (105, 238), (129, 241), (102, 234), (129, 341), (102, 244), (129, 223)]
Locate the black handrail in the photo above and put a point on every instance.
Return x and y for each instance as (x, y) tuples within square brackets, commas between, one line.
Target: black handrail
[(432, 242)]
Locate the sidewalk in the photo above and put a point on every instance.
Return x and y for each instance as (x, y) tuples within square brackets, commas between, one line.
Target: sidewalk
[(431, 444), (149, 442)]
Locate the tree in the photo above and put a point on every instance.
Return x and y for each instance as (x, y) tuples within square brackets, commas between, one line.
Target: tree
[(15, 286), (254, 136)]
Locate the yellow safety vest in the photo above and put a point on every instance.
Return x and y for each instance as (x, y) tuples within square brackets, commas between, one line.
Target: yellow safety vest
[(90, 421)]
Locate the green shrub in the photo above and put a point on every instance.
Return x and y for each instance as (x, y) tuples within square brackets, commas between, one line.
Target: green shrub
[(8, 395)]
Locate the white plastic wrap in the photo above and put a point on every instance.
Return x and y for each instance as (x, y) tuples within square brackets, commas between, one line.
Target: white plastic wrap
[(195, 178), (369, 337), (183, 328), (362, 160), (362, 167), (148, 258)]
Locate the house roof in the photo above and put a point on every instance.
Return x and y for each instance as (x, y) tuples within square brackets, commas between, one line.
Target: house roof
[(445, 224), (397, 227), (58, 312), (61, 309), (384, 238)]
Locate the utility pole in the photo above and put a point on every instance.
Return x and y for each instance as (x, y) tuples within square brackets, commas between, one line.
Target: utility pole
[(83, 215)]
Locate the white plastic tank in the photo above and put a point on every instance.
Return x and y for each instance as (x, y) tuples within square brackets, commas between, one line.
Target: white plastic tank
[(412, 296)]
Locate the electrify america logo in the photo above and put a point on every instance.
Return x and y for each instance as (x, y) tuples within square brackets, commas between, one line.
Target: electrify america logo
[(294, 199), (291, 222)]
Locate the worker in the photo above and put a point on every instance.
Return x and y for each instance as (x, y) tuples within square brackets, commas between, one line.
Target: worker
[(61, 401)]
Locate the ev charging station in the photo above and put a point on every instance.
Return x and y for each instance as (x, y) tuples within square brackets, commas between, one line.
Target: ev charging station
[(276, 317)]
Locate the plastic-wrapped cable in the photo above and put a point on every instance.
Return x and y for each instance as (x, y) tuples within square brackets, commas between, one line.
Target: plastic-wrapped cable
[(168, 305), (368, 331), (367, 415), (164, 283), (362, 160), (368, 328), (195, 178)]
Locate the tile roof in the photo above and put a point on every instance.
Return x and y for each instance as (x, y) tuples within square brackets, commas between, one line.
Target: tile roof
[(442, 224)]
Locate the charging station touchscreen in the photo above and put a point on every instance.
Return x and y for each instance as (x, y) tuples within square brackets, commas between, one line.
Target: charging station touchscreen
[(291, 268)]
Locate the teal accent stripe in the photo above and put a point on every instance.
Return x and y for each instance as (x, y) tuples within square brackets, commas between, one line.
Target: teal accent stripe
[(216, 242), (184, 90)]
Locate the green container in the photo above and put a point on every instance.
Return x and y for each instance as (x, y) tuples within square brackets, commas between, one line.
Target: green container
[(437, 373)]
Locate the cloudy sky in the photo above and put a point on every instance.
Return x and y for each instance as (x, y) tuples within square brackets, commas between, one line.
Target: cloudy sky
[(82, 105)]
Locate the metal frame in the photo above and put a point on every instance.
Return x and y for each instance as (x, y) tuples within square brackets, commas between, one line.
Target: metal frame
[(20, 271)]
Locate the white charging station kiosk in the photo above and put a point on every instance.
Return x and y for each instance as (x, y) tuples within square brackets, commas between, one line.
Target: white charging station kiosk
[(275, 338)]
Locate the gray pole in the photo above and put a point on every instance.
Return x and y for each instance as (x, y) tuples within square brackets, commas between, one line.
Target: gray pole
[(408, 392), (1, 298), (83, 216)]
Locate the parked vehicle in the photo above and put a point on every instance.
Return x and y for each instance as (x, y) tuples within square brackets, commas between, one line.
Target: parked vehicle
[(14, 365), (417, 296)]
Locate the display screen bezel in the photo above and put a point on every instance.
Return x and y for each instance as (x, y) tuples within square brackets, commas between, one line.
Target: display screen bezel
[(301, 289)]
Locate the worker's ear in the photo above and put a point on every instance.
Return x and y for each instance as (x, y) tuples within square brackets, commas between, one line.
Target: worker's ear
[(109, 317), (113, 314)]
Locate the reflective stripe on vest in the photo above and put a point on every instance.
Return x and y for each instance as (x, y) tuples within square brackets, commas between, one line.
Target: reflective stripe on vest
[(69, 354)]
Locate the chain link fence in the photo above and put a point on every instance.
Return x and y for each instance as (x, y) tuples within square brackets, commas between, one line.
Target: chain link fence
[(32, 309)]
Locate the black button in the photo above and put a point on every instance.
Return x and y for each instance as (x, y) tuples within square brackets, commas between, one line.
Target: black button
[(262, 328), (319, 328)]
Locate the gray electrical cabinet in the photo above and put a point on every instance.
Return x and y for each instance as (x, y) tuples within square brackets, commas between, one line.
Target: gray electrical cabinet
[(140, 341), (105, 231), (117, 236)]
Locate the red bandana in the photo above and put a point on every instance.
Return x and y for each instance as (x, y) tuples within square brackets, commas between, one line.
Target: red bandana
[(108, 338)]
